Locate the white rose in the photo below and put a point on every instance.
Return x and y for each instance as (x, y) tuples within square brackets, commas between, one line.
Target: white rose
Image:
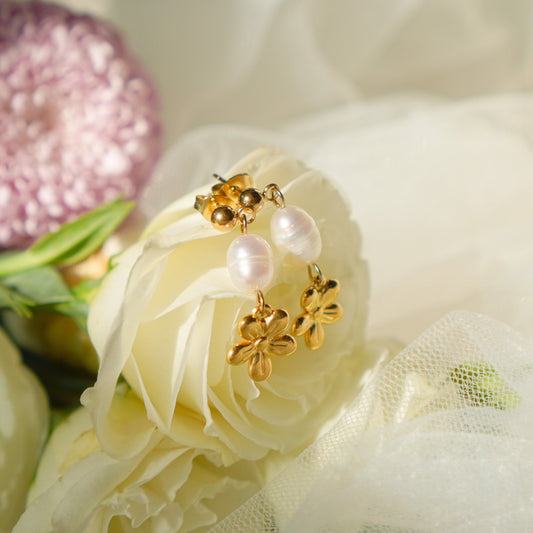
[(23, 429), (164, 487), (166, 315)]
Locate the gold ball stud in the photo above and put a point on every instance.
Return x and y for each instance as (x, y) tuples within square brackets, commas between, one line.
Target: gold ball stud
[(223, 218), (251, 198)]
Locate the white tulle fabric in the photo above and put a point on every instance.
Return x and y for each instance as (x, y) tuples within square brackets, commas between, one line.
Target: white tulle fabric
[(416, 452)]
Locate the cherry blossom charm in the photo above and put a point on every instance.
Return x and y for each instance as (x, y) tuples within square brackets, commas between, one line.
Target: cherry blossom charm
[(318, 304), (263, 337)]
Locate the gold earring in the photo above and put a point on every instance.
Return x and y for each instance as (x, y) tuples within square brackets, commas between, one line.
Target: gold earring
[(227, 198), (295, 231), (251, 267)]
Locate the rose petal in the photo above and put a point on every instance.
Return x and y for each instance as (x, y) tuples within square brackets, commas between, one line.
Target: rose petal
[(314, 336), (331, 314), (310, 299), (250, 327), (260, 367), (277, 322), (301, 324), (240, 352), (78, 487), (282, 345)]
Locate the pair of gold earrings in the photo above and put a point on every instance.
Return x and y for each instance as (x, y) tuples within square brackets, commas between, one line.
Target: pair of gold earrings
[(251, 267)]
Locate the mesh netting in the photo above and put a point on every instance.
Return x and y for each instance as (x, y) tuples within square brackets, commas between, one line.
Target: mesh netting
[(440, 440)]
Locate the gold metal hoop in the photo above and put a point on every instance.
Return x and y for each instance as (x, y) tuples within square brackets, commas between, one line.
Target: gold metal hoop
[(262, 310), (273, 194), (315, 274), (245, 215)]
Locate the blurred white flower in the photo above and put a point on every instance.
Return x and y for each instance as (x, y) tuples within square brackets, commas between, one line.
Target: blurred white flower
[(162, 488), (165, 318), (23, 429)]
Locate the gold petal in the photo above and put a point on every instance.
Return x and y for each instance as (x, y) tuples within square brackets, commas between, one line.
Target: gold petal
[(310, 299), (240, 352), (314, 336), (301, 324), (276, 322), (205, 205), (259, 367), (219, 200), (250, 327), (235, 185), (282, 345), (331, 313), (217, 188), (329, 292), (242, 181)]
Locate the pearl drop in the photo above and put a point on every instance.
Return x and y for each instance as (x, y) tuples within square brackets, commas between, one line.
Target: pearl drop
[(250, 263), (295, 231)]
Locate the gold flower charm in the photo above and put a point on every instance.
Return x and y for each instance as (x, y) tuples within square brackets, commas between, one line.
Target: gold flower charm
[(227, 198), (263, 337), (318, 303)]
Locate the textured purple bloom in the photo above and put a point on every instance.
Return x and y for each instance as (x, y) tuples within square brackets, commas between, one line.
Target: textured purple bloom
[(79, 119)]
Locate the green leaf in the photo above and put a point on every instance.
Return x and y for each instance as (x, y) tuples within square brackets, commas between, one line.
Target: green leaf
[(45, 288), (10, 299), (71, 243), (42, 285), (481, 385)]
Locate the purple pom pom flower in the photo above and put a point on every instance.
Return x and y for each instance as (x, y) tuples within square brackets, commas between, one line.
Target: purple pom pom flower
[(79, 119)]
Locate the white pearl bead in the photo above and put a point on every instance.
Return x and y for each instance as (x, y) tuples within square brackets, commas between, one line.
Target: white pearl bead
[(295, 231), (250, 263)]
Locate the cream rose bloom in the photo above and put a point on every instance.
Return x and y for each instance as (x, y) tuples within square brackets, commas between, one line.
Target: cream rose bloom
[(166, 315), (163, 487), (23, 430)]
